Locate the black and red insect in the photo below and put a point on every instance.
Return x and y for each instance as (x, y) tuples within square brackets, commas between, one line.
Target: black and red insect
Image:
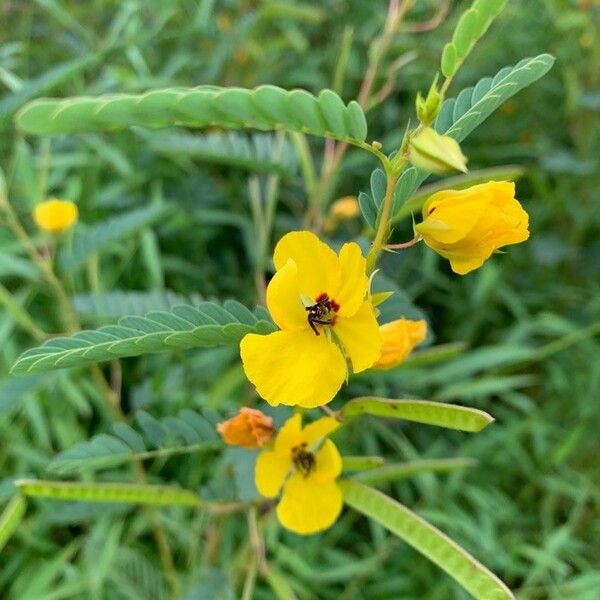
[(322, 312)]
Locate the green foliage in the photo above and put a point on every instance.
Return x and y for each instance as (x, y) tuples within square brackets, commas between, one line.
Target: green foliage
[(184, 327), (259, 152), (188, 432), (11, 517), (461, 115), (120, 303), (266, 107), (95, 238), (517, 339), (420, 411), (425, 538), (394, 472), (471, 26)]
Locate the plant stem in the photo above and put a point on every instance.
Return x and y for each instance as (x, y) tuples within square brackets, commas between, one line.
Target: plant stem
[(383, 229)]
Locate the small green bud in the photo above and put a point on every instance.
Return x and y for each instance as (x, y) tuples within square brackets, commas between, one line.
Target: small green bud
[(429, 107), (436, 153)]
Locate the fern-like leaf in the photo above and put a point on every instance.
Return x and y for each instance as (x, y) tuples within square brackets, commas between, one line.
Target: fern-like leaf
[(266, 107), (184, 327), (259, 152), (186, 433), (119, 303)]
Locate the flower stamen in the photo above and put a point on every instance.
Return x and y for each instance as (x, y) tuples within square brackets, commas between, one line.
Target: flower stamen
[(304, 461)]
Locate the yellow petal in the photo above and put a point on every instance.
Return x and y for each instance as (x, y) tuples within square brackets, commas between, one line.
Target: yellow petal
[(354, 280), (319, 429), (318, 265), (328, 463), (399, 339), (293, 367), (462, 266), (284, 301), (360, 337), (449, 217), (289, 435), (308, 506), (271, 469)]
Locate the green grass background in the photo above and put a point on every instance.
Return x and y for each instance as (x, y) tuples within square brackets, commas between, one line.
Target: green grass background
[(529, 319)]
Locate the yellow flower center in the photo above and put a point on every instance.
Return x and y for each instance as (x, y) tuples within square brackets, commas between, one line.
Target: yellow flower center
[(303, 460), (323, 312)]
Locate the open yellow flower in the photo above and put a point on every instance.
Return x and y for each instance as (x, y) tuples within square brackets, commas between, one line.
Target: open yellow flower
[(319, 301), (399, 339), (55, 216), (467, 226), (310, 498)]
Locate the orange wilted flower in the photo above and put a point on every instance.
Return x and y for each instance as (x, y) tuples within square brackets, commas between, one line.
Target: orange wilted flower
[(250, 428)]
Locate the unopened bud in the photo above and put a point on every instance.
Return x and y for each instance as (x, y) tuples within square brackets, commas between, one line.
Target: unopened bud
[(436, 153), (429, 107)]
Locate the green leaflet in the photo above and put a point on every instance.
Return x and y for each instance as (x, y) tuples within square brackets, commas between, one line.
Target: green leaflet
[(188, 432), (93, 238), (471, 27), (11, 517), (420, 411), (266, 107), (393, 472), (461, 115), (205, 325), (418, 533), (154, 495)]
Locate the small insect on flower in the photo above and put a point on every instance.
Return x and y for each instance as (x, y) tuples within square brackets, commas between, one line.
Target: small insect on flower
[(303, 467), (468, 226), (55, 216), (322, 312), (250, 428), (314, 291)]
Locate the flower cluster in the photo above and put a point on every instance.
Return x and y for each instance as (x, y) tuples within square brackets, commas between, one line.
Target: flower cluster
[(322, 305)]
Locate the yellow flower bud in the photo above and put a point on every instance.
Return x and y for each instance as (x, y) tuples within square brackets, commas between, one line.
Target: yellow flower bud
[(436, 153), (250, 428), (467, 226), (55, 216), (399, 339), (345, 208)]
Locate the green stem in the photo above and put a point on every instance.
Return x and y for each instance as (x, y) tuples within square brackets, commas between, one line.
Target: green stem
[(383, 229)]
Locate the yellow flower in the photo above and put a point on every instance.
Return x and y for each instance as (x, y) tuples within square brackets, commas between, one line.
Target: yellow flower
[(399, 339), (250, 428), (345, 208), (310, 500), (319, 301), (55, 216), (467, 226)]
